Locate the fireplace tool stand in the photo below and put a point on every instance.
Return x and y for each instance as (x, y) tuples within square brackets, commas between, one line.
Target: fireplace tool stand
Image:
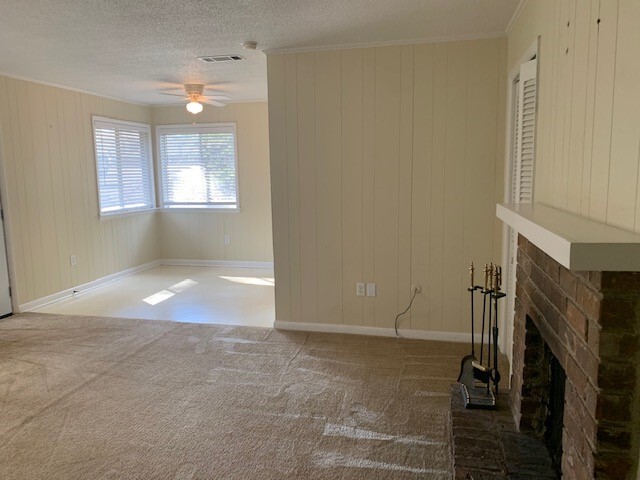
[(479, 381)]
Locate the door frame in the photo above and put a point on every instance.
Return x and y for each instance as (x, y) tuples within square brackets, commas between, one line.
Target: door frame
[(505, 320), (8, 234)]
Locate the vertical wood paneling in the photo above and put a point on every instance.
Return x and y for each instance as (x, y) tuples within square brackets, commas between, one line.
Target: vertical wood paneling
[(581, 64), (625, 128), (279, 185), (51, 191), (352, 166), (483, 93), (456, 148), (386, 170), (437, 202), (421, 181), (328, 86), (368, 178), (405, 173), (414, 131), (588, 134), (603, 110), (308, 202), (293, 177), (589, 109)]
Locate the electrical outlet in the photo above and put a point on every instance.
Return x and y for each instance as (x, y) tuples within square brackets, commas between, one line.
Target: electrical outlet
[(227, 239), (360, 289), (417, 288), (371, 289), (74, 260)]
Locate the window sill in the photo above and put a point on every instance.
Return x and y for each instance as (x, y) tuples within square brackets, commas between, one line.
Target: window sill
[(199, 209), (128, 213)]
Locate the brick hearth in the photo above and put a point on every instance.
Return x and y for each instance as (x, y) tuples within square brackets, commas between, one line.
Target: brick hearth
[(590, 321)]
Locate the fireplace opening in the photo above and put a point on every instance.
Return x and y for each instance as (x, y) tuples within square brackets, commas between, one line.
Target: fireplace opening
[(543, 393), (555, 411)]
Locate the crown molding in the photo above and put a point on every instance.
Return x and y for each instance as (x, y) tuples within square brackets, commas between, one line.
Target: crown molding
[(516, 15), (409, 41)]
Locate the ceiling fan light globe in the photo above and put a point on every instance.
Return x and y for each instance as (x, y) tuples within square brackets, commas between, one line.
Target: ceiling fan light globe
[(194, 107)]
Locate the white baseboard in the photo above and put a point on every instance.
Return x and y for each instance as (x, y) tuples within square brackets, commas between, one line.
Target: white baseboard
[(376, 331), (216, 263), (56, 297)]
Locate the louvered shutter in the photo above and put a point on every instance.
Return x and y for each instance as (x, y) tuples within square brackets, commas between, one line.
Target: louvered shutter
[(124, 166), (198, 166), (524, 148), (522, 167)]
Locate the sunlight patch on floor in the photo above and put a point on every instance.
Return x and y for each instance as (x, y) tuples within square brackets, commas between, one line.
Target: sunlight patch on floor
[(268, 282), (156, 298), (183, 285)]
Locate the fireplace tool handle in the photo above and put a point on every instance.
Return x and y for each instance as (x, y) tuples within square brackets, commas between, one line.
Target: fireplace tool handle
[(472, 290), (497, 294), (485, 291), (491, 290)]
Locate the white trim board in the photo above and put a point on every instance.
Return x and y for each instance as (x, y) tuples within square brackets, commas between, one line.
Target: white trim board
[(387, 43), (516, 15), (375, 331), (85, 287), (71, 89), (574, 242), (215, 263)]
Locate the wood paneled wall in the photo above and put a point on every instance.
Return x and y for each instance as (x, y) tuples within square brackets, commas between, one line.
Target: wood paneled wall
[(386, 164), (199, 235), (588, 138), (51, 191)]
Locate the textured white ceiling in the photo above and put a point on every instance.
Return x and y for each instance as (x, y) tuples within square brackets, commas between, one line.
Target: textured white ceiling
[(130, 49)]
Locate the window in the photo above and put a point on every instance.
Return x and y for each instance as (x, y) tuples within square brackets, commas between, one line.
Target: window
[(198, 166), (124, 168)]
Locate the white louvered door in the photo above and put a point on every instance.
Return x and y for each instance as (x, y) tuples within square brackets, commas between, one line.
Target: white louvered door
[(522, 167)]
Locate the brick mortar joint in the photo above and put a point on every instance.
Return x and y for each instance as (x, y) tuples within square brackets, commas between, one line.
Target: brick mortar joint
[(578, 397), (561, 342)]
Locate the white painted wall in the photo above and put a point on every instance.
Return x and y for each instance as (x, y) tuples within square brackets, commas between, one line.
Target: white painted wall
[(386, 164)]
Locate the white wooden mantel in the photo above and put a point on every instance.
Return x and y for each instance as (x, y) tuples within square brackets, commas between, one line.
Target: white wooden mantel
[(575, 242)]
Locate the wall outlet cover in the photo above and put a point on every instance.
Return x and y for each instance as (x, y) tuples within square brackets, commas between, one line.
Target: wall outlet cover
[(360, 292), (371, 289)]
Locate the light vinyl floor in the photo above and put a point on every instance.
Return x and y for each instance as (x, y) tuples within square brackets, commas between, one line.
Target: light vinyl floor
[(220, 295)]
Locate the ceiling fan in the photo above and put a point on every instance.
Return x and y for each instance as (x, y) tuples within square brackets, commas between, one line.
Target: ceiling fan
[(195, 93)]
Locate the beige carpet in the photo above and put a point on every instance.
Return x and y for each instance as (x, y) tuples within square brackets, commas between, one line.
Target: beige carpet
[(86, 397)]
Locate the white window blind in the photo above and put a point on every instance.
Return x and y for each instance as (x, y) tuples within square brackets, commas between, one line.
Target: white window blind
[(198, 165), (124, 166)]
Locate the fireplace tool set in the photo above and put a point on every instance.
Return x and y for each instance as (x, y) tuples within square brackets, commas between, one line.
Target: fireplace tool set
[(479, 380)]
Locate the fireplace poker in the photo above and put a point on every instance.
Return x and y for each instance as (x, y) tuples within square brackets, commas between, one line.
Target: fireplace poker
[(497, 295), (467, 365), (485, 290)]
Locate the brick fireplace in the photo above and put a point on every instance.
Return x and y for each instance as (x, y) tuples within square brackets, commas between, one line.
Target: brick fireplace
[(589, 324)]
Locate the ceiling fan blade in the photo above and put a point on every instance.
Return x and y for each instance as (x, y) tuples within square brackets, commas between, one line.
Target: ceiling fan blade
[(216, 97), (173, 94), (214, 103)]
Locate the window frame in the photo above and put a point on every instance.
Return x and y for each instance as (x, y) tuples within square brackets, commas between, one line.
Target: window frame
[(124, 123), (194, 127)]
